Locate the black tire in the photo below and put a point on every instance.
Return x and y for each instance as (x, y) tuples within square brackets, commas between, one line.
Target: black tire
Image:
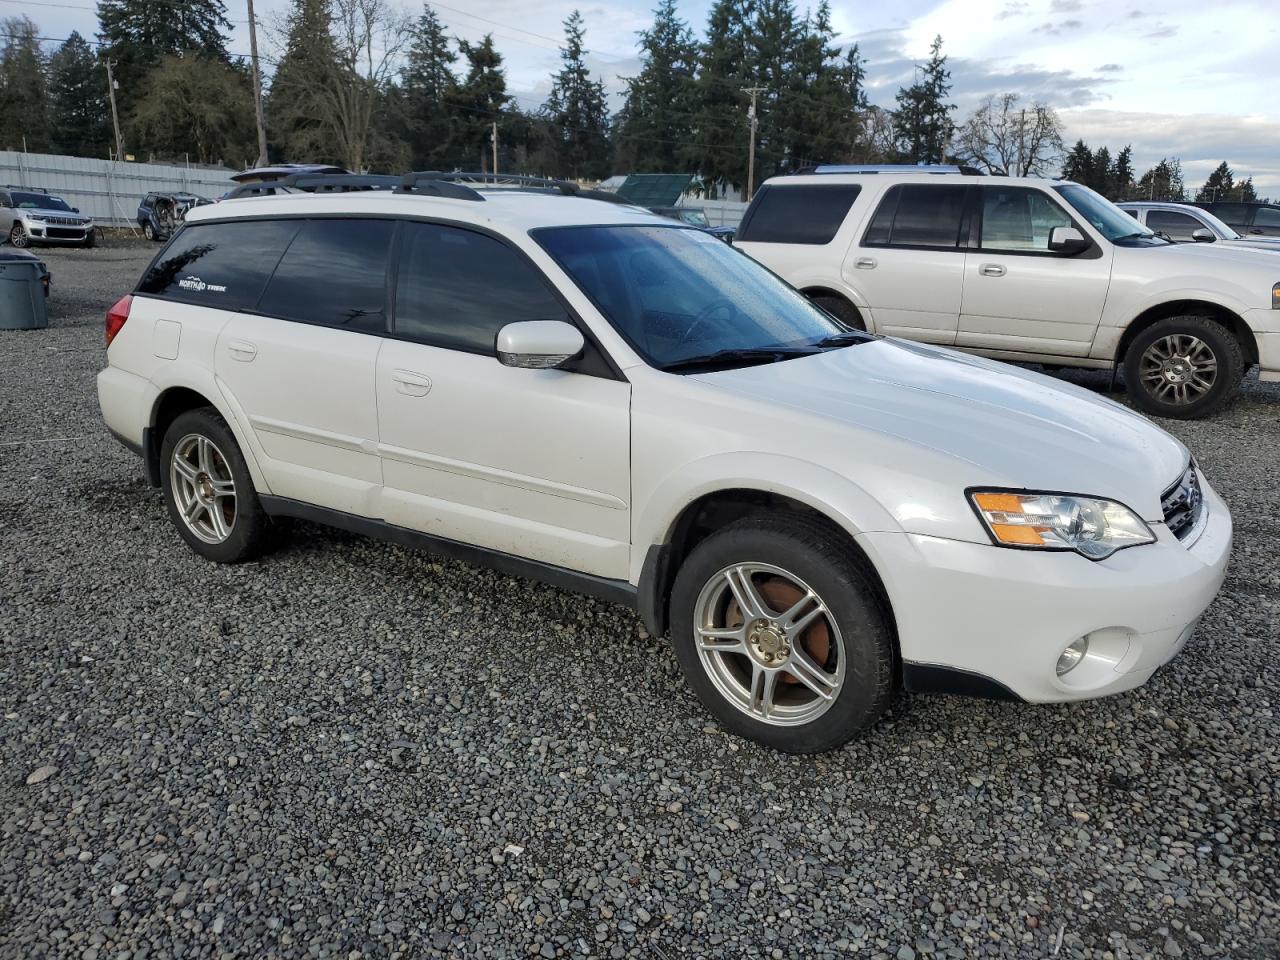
[(18, 236), (91, 239), (149, 232), (837, 575), (841, 309), (251, 532), (1220, 342)]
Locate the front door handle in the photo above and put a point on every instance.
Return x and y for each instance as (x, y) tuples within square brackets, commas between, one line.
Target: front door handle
[(865, 263), (411, 384), (242, 350), (991, 270)]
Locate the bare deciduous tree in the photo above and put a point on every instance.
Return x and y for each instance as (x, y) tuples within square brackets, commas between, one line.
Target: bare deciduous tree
[(1003, 137)]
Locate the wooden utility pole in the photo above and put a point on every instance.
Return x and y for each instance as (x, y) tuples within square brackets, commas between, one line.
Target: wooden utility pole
[(751, 148), (494, 137), (257, 88), (115, 117)]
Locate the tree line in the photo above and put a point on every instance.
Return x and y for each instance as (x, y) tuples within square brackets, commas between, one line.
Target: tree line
[(361, 84)]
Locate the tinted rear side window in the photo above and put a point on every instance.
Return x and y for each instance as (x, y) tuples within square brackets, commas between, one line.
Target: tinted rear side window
[(1178, 226), (1235, 214), (222, 265), (458, 288), (918, 215), (334, 274), (803, 214)]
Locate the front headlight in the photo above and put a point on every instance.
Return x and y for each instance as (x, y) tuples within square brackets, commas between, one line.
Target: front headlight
[(1091, 527)]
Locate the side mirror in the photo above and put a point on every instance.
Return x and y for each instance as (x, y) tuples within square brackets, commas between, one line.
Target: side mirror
[(75, 209), (1067, 241), (1203, 235), (538, 344)]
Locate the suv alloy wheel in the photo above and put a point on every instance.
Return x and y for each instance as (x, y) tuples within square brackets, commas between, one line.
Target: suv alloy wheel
[(1183, 367), (781, 635), (18, 236)]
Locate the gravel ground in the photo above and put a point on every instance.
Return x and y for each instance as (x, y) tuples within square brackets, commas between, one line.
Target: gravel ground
[(348, 749)]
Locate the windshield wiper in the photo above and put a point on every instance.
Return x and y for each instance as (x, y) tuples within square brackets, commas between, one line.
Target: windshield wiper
[(844, 339), (1135, 236), (738, 357)]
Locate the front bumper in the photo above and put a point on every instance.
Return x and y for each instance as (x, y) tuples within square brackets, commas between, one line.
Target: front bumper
[(1007, 615), (57, 233)]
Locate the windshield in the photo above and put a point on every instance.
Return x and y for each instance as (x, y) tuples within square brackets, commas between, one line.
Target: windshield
[(676, 294), (1103, 215), (39, 201)]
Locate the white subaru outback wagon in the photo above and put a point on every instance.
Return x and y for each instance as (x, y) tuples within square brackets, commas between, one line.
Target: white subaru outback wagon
[(1023, 269), (619, 404)]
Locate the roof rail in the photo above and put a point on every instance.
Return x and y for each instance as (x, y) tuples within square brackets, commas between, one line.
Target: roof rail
[(438, 185), (520, 182), (261, 187), (932, 168), (14, 186), (338, 182)]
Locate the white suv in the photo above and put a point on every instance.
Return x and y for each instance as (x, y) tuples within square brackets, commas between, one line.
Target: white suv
[(32, 215), (616, 403), (1023, 269)]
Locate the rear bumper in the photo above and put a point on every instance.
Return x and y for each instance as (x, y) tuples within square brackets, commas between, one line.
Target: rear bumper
[(1006, 615)]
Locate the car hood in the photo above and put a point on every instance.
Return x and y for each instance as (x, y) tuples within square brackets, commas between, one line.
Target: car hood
[(1224, 254), (66, 214), (1005, 426)]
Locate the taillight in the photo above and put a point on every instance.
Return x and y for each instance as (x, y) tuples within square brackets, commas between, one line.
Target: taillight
[(117, 315)]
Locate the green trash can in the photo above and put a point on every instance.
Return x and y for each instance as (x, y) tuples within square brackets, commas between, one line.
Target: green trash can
[(22, 293)]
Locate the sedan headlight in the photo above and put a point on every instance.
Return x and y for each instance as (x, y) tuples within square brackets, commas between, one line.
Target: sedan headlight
[(1091, 527)]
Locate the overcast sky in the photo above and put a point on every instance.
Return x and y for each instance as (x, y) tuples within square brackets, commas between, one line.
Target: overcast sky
[(1185, 78)]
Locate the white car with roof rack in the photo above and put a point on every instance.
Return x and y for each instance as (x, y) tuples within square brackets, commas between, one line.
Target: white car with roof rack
[(625, 406), (1023, 269)]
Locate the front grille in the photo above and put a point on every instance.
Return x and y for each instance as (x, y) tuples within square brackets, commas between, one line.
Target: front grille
[(1182, 504), (64, 233), (64, 221)]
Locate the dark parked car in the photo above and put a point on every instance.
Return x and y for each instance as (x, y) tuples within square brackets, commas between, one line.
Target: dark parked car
[(159, 214), (695, 217), (1250, 219)]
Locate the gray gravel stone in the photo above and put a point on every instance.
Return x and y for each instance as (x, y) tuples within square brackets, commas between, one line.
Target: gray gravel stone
[(487, 767)]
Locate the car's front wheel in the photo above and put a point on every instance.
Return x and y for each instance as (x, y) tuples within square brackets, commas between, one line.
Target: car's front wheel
[(782, 635), (149, 231), (209, 491), (18, 236), (90, 239), (1183, 367)]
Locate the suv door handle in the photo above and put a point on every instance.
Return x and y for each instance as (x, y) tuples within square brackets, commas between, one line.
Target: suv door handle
[(865, 263), (411, 384), (242, 350), (991, 270)]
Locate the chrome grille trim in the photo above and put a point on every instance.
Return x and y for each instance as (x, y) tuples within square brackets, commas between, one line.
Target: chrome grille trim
[(1183, 503)]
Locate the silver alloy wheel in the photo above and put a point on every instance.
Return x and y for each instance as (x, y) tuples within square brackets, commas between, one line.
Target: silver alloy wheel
[(18, 236), (1179, 368), (203, 488), (769, 644)]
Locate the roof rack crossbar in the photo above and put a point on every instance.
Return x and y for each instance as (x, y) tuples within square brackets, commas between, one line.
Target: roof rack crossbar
[(437, 184), (338, 182), (542, 184), (928, 168)]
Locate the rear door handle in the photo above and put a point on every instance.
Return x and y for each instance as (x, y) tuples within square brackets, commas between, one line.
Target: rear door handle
[(991, 270), (865, 263), (411, 384), (242, 350)]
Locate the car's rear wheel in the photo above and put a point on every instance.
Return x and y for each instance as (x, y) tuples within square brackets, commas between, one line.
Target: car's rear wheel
[(149, 231), (18, 236), (841, 309), (209, 491), (1183, 367), (782, 635)]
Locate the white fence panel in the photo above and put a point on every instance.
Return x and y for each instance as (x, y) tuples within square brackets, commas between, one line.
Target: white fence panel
[(721, 213), (107, 190)]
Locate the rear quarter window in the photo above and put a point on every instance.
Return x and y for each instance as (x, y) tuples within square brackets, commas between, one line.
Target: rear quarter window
[(810, 213), (221, 265)]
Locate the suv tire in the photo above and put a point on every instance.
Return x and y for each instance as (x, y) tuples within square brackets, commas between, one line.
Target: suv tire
[(91, 239), (149, 232), (18, 236), (797, 566), (1183, 367), (208, 489), (842, 310)]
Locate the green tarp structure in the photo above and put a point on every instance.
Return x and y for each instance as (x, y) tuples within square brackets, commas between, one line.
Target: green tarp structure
[(655, 189)]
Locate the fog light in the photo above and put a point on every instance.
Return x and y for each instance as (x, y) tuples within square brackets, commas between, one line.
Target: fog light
[(1072, 656)]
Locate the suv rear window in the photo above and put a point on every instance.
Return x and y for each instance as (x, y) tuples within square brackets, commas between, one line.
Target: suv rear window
[(222, 265), (334, 274), (801, 214), (918, 215)]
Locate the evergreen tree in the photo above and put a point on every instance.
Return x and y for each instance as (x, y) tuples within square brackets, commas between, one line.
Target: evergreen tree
[(1244, 191), (196, 106), (1103, 172), (577, 115), (138, 34), (786, 64), (841, 102), (1122, 181), (295, 105), (475, 102), (720, 127), (1078, 166), (1221, 185), (656, 122), (923, 118), (1162, 182), (79, 116), (426, 81), (24, 103)]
